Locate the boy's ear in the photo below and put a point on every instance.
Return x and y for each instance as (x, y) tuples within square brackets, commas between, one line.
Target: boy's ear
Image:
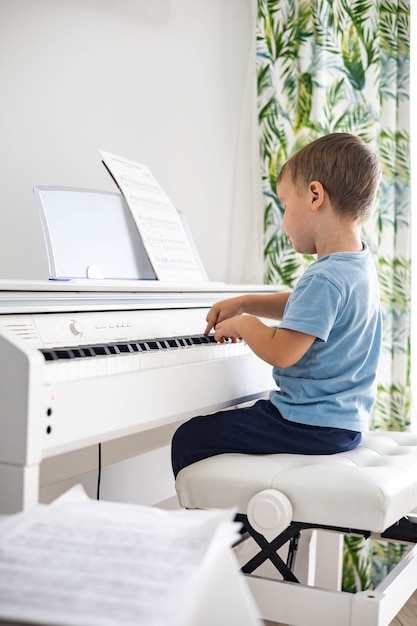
[(317, 194)]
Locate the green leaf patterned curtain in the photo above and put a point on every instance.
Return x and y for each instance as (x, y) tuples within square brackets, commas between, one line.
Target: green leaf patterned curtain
[(343, 65)]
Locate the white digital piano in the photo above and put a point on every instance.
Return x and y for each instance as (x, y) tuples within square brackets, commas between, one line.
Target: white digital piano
[(84, 362)]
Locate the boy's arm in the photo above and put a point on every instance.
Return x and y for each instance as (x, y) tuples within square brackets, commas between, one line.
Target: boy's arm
[(280, 347), (269, 305)]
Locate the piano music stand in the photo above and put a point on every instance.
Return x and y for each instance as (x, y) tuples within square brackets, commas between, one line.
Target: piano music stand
[(90, 234)]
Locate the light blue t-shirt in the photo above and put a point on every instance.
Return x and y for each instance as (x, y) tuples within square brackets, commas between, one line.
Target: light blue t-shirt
[(334, 383)]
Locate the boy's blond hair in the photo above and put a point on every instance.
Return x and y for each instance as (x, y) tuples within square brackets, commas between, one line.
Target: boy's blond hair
[(346, 166)]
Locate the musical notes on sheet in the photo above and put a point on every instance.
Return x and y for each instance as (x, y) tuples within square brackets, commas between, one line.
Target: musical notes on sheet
[(83, 561), (164, 237)]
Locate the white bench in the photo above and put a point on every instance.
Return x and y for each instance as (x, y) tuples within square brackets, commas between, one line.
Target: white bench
[(370, 491)]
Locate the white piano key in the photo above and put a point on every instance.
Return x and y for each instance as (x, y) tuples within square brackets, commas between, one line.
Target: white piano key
[(151, 360), (63, 372), (171, 357), (82, 368), (99, 366)]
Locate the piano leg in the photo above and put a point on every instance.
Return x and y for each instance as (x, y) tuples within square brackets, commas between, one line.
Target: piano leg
[(19, 487)]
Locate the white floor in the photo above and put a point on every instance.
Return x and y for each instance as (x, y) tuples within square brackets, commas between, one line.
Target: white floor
[(408, 614)]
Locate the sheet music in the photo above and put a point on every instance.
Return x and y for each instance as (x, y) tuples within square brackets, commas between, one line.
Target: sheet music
[(164, 237), (81, 561)]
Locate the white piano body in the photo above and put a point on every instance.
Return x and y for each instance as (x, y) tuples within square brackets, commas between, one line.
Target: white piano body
[(83, 363)]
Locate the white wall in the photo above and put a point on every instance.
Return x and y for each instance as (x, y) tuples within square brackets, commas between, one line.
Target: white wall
[(158, 81)]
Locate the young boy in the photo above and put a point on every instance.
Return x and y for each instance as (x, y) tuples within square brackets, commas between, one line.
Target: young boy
[(326, 349)]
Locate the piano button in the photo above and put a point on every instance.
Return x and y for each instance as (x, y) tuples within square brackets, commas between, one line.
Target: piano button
[(134, 347), (172, 343), (144, 346)]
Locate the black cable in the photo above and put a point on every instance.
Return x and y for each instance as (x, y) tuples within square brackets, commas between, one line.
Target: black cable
[(99, 471)]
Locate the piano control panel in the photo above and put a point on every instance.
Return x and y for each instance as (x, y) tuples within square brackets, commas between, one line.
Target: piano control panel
[(45, 330)]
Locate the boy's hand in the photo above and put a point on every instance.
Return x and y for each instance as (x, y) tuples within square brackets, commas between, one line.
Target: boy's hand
[(223, 310), (227, 330)]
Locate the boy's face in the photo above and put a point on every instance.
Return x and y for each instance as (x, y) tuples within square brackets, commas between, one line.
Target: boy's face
[(297, 214)]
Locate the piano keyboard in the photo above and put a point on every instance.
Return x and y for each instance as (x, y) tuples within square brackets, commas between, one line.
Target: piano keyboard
[(91, 361)]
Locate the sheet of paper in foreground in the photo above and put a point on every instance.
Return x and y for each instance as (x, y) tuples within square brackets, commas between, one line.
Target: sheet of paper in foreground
[(86, 562), (166, 241)]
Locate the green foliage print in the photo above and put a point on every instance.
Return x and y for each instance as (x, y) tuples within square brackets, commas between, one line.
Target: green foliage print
[(343, 65)]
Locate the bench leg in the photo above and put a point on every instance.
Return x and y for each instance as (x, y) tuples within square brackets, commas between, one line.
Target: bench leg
[(302, 605), (269, 549)]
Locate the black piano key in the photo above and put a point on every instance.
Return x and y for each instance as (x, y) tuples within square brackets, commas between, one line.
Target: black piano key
[(49, 355), (88, 351), (64, 354), (153, 345), (78, 353), (123, 347), (100, 350)]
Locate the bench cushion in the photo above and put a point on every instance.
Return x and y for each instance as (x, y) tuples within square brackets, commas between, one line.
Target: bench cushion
[(369, 488)]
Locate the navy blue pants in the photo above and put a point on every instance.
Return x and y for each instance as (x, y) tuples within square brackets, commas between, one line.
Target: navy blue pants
[(256, 429)]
